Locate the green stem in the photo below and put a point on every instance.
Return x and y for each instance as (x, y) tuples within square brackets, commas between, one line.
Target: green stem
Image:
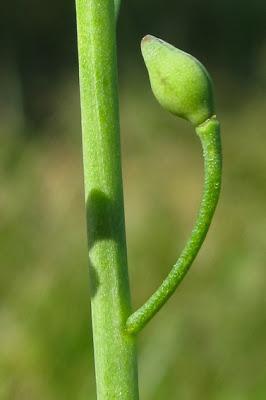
[(209, 134), (114, 349)]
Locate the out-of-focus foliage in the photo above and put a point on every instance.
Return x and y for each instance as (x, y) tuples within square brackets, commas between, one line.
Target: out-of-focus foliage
[(208, 342)]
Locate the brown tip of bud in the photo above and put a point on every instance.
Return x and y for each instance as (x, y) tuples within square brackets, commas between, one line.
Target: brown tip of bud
[(147, 38)]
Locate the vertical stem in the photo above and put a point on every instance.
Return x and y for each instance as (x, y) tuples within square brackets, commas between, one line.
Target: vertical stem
[(114, 350)]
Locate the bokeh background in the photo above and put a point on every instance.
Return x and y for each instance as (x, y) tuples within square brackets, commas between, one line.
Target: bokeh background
[(209, 341)]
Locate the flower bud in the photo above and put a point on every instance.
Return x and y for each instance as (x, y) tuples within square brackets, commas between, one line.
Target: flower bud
[(179, 82)]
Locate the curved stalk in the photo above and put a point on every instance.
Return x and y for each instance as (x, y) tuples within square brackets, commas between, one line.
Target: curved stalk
[(209, 134)]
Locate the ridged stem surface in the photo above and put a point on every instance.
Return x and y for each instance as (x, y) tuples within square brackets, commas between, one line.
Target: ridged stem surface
[(114, 350)]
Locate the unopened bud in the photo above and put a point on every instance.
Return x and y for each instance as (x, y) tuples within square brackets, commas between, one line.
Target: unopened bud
[(179, 82)]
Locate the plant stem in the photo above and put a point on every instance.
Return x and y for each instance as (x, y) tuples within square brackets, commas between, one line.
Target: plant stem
[(209, 133), (114, 349)]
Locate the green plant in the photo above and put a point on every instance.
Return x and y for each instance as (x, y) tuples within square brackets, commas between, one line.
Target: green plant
[(183, 87)]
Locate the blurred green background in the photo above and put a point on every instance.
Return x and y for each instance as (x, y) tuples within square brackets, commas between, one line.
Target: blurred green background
[(209, 341)]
